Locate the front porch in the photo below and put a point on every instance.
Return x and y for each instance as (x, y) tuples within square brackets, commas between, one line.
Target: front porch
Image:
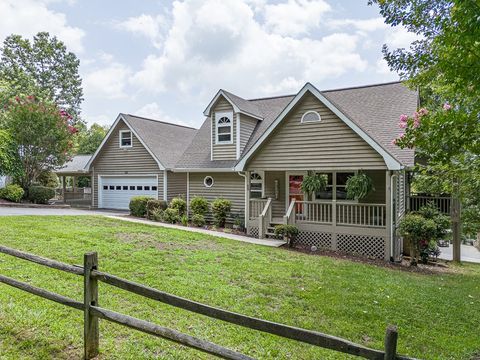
[(328, 220)]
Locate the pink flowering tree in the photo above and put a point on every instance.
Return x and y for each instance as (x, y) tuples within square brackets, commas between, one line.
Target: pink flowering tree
[(43, 135)]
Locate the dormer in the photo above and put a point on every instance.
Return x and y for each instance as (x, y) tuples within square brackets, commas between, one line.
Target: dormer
[(233, 120)]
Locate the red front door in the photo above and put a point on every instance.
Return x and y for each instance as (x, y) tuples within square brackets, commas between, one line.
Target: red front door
[(295, 191)]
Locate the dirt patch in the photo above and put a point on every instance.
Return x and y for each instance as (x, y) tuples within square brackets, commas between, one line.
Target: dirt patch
[(148, 240), (441, 267)]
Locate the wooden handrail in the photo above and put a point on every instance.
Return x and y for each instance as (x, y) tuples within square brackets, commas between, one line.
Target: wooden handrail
[(286, 331)]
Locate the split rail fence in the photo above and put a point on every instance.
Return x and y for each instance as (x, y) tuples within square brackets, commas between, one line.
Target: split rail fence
[(93, 312)]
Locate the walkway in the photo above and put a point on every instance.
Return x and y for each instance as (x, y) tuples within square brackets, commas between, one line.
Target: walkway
[(266, 242)]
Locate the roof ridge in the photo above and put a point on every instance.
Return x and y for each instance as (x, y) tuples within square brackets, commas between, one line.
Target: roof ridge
[(363, 86), (271, 97), (160, 121)]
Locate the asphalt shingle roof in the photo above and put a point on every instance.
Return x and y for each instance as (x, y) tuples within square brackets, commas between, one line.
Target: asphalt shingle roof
[(245, 106), (76, 165), (165, 140)]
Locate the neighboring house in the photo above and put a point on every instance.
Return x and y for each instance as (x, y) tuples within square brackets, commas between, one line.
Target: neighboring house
[(3, 181), (256, 153)]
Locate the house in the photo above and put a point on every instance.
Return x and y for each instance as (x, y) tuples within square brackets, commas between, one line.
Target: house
[(256, 153)]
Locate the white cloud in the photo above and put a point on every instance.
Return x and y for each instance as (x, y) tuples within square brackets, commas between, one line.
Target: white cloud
[(213, 44), (28, 17), (295, 17), (399, 37), (152, 27), (363, 25), (154, 111), (108, 80)]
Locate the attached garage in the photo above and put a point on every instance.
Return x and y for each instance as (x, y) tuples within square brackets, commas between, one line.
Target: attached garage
[(115, 192)]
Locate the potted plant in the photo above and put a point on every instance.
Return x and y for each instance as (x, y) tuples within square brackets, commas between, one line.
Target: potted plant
[(313, 183), (288, 232), (359, 186)]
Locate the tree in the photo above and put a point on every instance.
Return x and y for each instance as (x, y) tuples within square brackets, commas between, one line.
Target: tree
[(444, 64), (42, 135), (46, 65), (89, 140), (9, 160)]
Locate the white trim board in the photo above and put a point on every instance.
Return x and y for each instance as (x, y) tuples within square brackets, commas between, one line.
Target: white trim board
[(390, 161), (105, 139)]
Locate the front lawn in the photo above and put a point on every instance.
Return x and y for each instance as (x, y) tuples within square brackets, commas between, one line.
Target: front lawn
[(438, 315)]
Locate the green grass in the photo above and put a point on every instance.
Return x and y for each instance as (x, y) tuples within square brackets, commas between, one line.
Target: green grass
[(438, 315)]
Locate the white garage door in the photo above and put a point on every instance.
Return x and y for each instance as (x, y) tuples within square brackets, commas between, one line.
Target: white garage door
[(115, 191)]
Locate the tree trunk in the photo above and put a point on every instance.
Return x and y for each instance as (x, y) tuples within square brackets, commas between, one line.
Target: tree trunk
[(455, 217)]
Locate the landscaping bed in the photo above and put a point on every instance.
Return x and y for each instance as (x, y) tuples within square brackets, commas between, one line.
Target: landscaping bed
[(435, 313)]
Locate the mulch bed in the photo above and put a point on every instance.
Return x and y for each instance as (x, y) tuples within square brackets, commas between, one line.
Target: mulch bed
[(25, 204), (440, 267)]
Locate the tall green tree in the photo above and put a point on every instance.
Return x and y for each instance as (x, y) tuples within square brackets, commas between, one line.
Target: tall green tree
[(445, 64), (44, 64), (9, 160), (89, 140)]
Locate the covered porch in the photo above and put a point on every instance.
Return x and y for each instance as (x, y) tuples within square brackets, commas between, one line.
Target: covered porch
[(327, 219), (75, 186)]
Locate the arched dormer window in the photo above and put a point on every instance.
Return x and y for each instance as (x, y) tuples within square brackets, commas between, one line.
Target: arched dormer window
[(311, 116), (256, 185), (224, 128)]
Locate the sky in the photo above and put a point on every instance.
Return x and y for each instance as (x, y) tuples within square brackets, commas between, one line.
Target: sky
[(167, 59)]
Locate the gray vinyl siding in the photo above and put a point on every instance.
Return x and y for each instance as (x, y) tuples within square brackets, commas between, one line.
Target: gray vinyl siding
[(278, 205), (176, 185), (113, 160), (378, 195), (326, 145), (230, 186), (247, 125), (224, 151)]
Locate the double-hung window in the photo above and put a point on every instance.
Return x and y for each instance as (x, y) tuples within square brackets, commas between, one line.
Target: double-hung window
[(256, 185), (224, 128), (125, 138)]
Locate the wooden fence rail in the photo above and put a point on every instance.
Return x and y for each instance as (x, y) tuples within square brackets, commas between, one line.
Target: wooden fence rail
[(93, 312)]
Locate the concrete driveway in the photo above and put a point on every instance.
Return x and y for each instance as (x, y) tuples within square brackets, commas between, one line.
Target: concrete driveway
[(468, 253), (10, 211)]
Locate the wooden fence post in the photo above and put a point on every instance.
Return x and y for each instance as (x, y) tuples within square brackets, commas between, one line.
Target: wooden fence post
[(90, 297), (391, 337)]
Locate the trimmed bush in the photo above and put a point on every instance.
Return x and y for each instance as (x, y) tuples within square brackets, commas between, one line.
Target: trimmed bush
[(184, 220), (40, 194), (220, 209), (48, 179), (138, 205), (157, 215), (418, 231), (198, 220), (12, 192), (155, 205), (179, 204), (288, 231), (171, 216), (199, 205)]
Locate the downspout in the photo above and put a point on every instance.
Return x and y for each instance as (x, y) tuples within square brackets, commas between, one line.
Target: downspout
[(247, 215), (392, 214)]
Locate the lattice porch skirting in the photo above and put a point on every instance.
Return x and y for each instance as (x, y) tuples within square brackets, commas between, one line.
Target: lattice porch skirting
[(373, 246), (321, 240)]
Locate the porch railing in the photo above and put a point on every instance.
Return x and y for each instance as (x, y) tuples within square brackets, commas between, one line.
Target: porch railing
[(289, 217), (264, 219), (344, 214), (256, 208), (314, 211), (442, 203)]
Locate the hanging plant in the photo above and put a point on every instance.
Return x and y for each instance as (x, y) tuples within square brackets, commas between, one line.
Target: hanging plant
[(314, 183), (359, 186)]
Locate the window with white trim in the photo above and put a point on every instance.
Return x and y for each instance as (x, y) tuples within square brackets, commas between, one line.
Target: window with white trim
[(208, 181), (125, 139), (224, 128), (256, 185), (336, 186), (311, 116)]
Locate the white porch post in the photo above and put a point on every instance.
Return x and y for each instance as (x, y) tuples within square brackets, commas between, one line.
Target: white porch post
[(247, 201), (388, 215), (334, 224), (64, 186)]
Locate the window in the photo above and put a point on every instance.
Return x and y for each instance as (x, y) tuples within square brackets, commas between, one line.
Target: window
[(154, 188), (139, 187), (146, 188), (208, 181), (256, 186), (336, 185), (105, 187), (125, 187), (224, 128), (125, 138), (132, 187), (311, 116), (112, 187), (118, 187)]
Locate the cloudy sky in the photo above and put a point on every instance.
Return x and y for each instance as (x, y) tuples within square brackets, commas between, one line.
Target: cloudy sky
[(166, 60)]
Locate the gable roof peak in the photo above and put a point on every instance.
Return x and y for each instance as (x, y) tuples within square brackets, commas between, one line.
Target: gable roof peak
[(239, 104)]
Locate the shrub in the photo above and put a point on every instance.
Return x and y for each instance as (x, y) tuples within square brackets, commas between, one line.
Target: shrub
[(184, 220), (198, 220), (154, 205), (40, 194), (288, 231), (199, 205), (12, 192), (179, 204), (221, 208), (138, 205), (418, 231), (48, 179), (171, 216), (442, 222), (157, 215)]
